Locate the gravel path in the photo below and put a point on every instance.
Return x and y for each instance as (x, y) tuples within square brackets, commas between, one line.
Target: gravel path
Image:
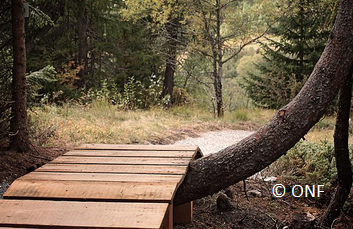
[(3, 187), (214, 141)]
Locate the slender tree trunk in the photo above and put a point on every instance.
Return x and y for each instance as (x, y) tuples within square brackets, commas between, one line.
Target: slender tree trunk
[(218, 68), (343, 164), (172, 28), (19, 140), (237, 162), (218, 91), (83, 23), (300, 70)]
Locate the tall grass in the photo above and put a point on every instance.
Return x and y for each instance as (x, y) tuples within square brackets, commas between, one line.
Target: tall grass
[(103, 122)]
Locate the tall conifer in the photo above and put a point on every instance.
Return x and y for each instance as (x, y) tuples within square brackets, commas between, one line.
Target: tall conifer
[(290, 53)]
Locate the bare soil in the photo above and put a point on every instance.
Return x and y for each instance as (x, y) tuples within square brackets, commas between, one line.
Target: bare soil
[(14, 165), (263, 211)]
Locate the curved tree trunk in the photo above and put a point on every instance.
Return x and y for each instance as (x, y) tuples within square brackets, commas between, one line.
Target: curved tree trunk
[(19, 141), (237, 162), (343, 164)]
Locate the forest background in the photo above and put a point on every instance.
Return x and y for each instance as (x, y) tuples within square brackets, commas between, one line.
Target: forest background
[(130, 71)]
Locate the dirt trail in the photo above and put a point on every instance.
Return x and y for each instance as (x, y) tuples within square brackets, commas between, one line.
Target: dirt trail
[(211, 142)]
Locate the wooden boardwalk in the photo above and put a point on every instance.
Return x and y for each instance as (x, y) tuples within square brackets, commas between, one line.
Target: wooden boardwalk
[(102, 186)]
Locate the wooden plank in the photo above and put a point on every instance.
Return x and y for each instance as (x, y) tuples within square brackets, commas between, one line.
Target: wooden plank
[(17, 227), (101, 177), (128, 169), (136, 147), (168, 218), (84, 190), (67, 214), (183, 213), (121, 160), (130, 153)]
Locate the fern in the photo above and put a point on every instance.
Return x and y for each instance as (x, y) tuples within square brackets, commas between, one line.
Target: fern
[(38, 18), (37, 80)]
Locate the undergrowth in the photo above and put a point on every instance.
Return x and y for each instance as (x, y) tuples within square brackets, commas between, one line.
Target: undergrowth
[(309, 163)]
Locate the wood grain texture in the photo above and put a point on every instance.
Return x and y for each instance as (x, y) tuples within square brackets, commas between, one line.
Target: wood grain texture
[(92, 190), (67, 214), (168, 218), (101, 177), (79, 189), (136, 147), (131, 153), (128, 169), (121, 160)]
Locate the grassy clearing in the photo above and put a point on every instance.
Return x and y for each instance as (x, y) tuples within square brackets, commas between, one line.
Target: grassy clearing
[(104, 123), (322, 131)]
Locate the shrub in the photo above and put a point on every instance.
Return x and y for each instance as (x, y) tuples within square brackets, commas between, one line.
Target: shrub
[(37, 81), (310, 163), (180, 97), (241, 115), (135, 95), (107, 93)]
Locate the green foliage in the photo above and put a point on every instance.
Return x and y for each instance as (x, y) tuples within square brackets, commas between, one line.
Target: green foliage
[(180, 97), (135, 95), (192, 76), (302, 31), (309, 163), (115, 49), (38, 19), (106, 92), (240, 115), (38, 80), (5, 51)]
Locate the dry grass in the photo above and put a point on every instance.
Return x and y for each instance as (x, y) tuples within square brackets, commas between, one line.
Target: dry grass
[(104, 123), (101, 122), (324, 130)]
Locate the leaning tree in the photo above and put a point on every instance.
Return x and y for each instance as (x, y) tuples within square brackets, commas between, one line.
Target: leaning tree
[(235, 163)]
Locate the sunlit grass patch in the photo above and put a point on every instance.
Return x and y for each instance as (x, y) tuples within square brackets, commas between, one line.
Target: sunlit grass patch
[(102, 122), (105, 123)]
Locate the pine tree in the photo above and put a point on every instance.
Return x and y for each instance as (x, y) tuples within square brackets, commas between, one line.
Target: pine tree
[(302, 31)]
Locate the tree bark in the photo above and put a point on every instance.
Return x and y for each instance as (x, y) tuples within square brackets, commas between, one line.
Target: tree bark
[(343, 164), (218, 58), (237, 162), (172, 28), (19, 140), (217, 83)]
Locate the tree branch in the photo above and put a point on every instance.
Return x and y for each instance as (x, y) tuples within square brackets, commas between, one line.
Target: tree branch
[(243, 46), (6, 9)]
